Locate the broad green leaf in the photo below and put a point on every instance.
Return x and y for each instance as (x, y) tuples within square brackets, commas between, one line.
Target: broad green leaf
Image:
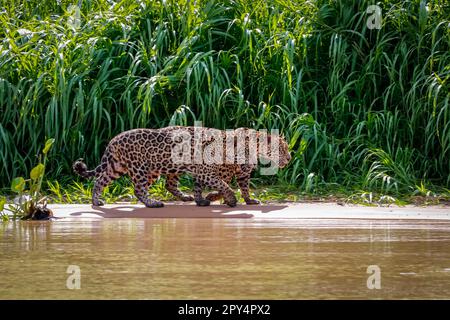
[(294, 139), (37, 171), (48, 145), (2, 203), (18, 184), (302, 148)]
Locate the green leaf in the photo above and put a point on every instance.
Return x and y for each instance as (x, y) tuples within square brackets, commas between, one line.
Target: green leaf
[(48, 145), (37, 171), (18, 184), (2, 203), (306, 119)]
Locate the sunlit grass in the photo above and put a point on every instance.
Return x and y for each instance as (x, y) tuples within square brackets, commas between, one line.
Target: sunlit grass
[(122, 191)]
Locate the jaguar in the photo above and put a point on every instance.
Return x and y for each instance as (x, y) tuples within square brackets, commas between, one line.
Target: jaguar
[(146, 154)]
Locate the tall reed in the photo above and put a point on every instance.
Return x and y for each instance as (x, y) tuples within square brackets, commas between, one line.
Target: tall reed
[(362, 108)]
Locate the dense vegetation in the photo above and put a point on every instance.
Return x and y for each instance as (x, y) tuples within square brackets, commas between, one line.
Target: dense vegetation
[(363, 109)]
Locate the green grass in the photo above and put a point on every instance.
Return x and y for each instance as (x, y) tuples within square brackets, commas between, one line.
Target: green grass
[(362, 109), (122, 191)]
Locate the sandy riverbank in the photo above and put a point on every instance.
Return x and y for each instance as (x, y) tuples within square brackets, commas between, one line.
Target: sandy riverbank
[(270, 211)]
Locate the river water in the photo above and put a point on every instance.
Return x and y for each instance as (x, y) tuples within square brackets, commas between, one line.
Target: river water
[(224, 259)]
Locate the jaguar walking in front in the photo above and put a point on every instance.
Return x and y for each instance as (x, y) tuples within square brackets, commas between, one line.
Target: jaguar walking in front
[(145, 154)]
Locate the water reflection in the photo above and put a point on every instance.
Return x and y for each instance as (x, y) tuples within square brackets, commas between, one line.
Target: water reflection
[(224, 258)]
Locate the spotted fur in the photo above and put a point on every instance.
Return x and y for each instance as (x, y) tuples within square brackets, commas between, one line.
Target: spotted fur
[(145, 154)]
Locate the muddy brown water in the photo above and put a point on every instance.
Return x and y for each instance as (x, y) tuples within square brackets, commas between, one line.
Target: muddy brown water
[(224, 259)]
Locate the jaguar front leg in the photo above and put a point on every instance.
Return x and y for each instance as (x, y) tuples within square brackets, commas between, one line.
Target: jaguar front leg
[(243, 183), (221, 186), (198, 197)]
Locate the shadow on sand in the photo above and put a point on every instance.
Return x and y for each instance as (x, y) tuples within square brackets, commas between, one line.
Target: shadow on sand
[(179, 211)]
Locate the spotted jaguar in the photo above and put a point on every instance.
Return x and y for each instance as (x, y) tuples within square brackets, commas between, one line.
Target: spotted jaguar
[(146, 154)]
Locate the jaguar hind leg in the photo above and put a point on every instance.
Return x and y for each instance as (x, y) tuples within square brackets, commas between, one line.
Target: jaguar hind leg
[(100, 183), (214, 196), (214, 183), (172, 187), (111, 171), (142, 181)]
